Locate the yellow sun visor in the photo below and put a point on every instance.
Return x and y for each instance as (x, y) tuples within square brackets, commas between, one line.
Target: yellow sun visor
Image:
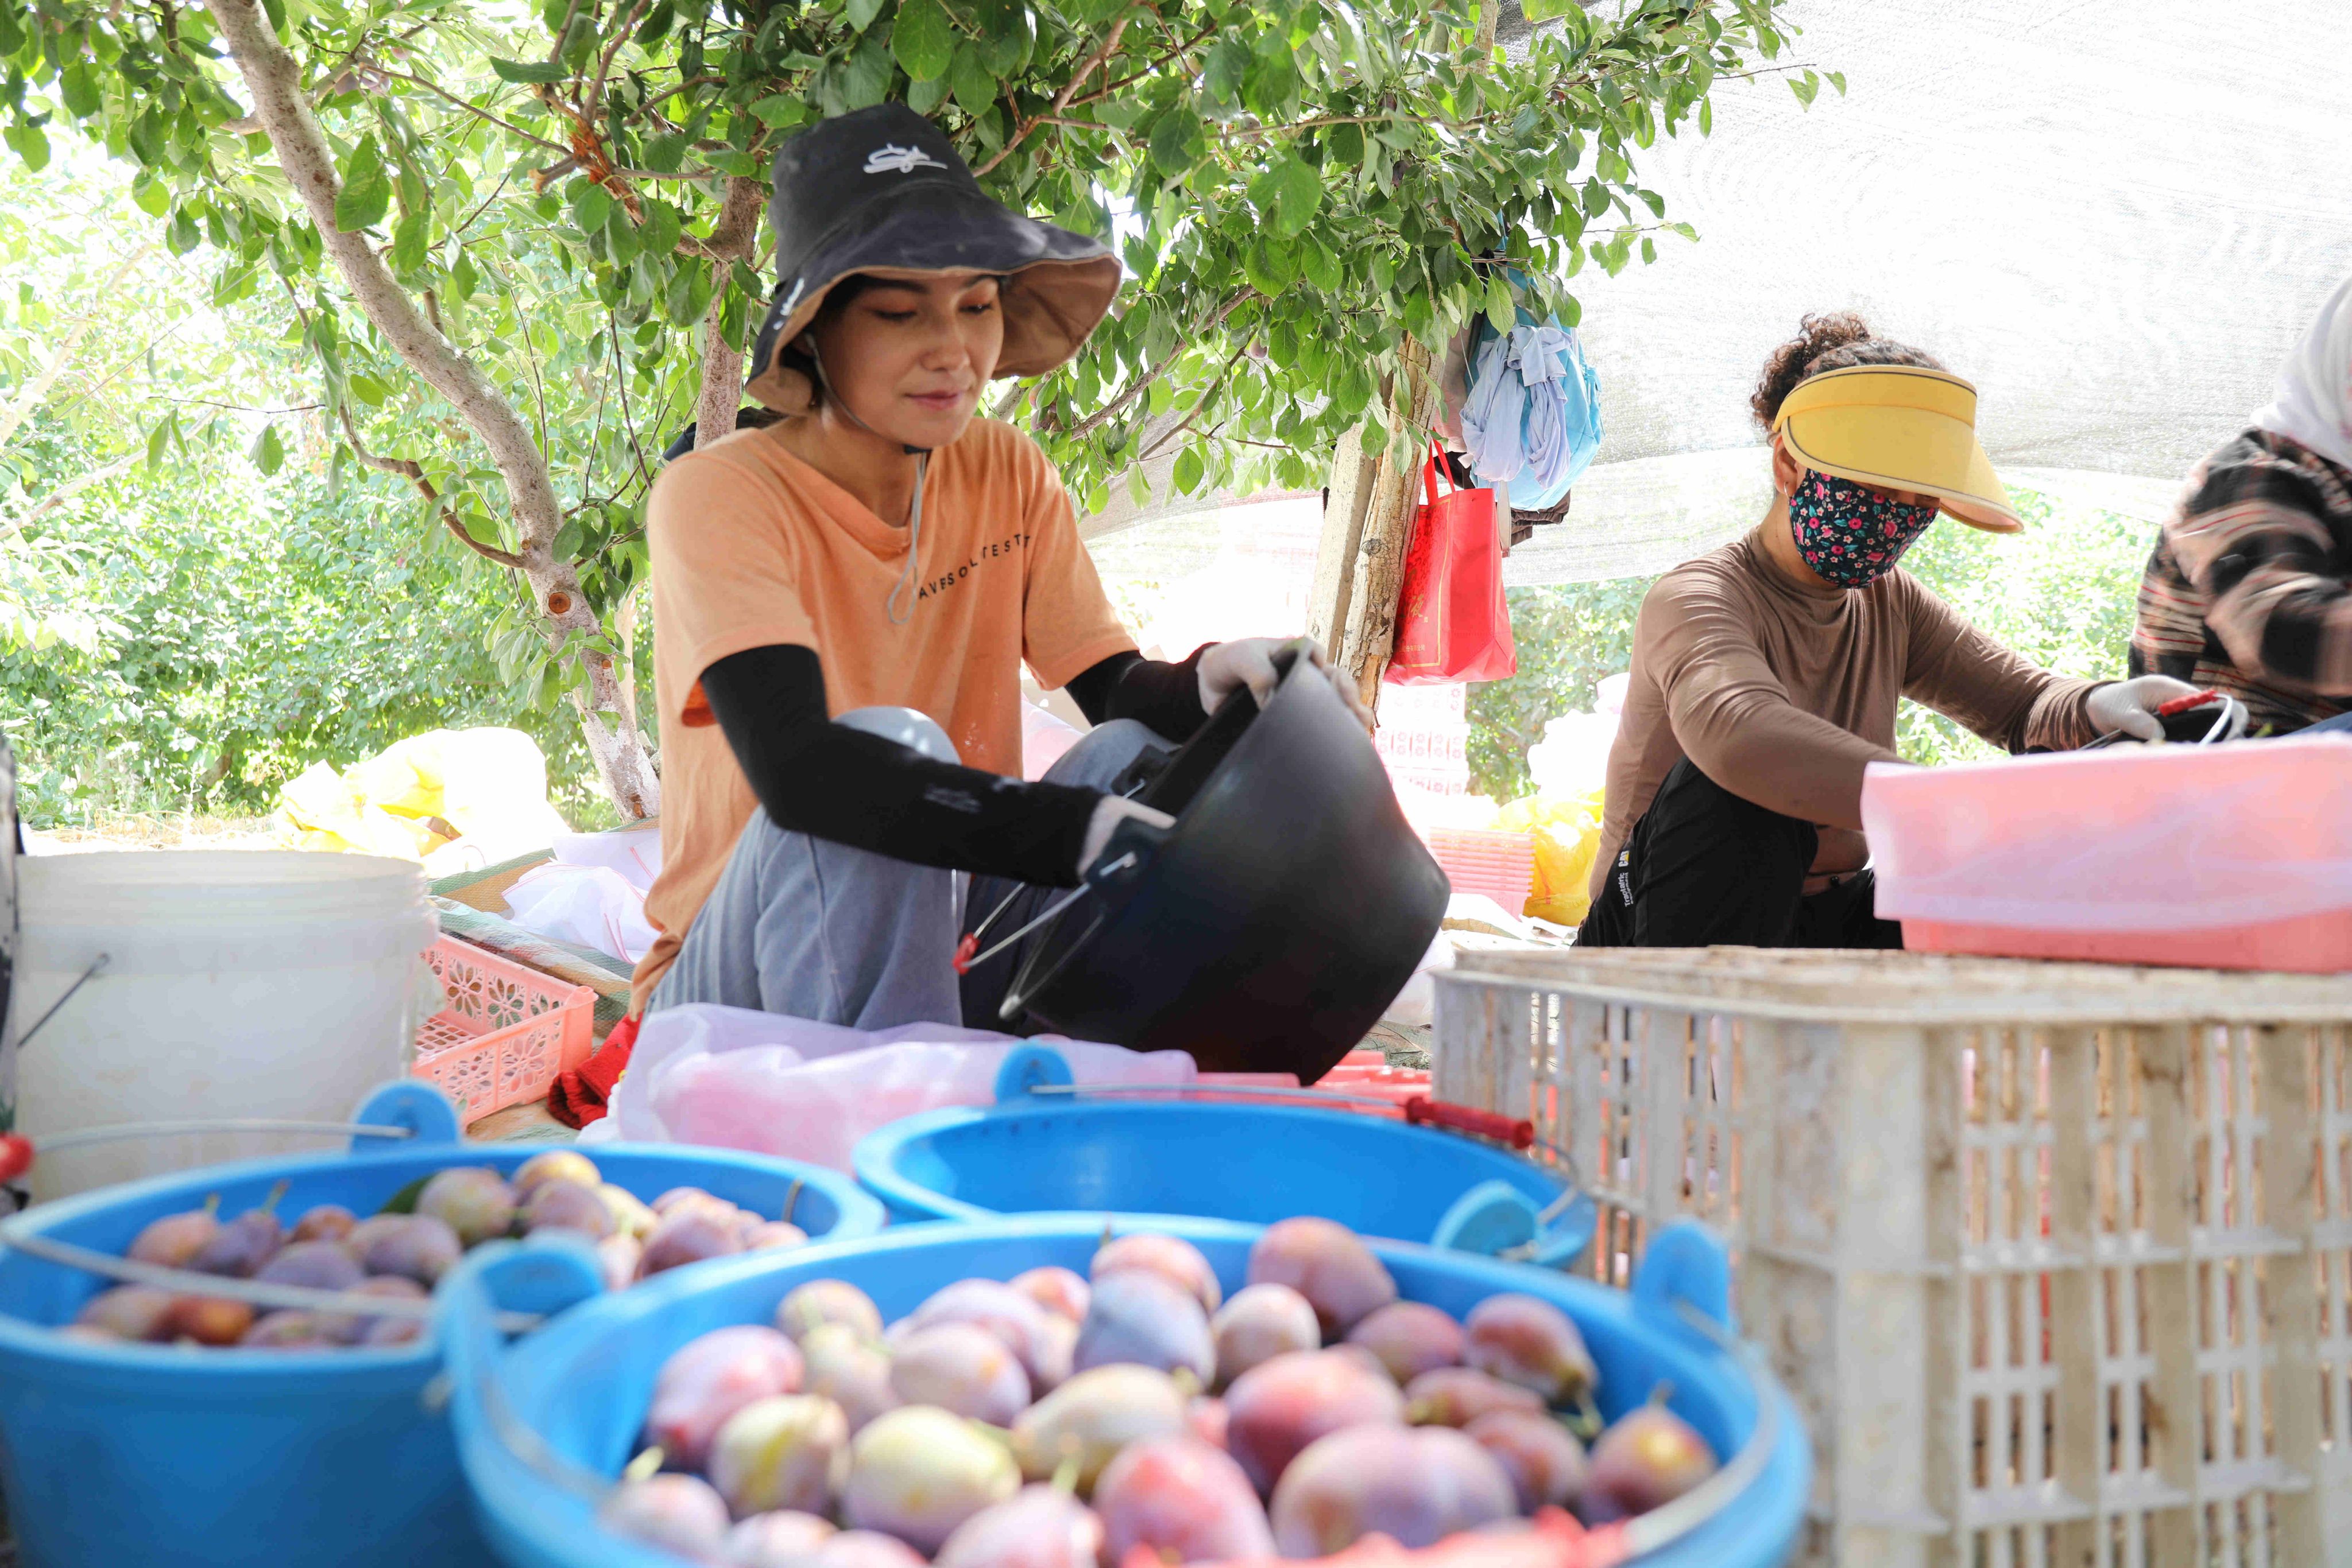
[(1898, 427)]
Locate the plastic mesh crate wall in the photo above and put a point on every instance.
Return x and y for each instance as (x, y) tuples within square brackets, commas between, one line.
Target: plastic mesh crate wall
[(2057, 1259), (507, 1032)]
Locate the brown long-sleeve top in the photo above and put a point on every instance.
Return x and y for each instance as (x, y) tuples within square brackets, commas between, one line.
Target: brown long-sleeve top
[(1783, 691)]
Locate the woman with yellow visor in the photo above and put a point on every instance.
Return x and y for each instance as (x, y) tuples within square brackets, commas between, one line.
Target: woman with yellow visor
[(1766, 673)]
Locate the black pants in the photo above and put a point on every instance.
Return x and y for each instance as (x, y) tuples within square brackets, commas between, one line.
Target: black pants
[(1703, 867)]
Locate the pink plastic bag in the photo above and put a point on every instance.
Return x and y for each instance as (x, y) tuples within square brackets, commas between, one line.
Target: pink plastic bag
[(2178, 842), (743, 1079)]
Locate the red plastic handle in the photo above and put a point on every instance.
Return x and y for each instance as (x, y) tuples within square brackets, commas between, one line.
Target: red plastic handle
[(2183, 705), (16, 1155), (1518, 1134)]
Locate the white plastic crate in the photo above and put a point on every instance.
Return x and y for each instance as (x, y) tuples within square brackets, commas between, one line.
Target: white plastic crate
[(2056, 1258)]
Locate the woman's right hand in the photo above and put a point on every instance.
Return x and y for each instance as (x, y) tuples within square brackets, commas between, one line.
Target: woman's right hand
[(1110, 811)]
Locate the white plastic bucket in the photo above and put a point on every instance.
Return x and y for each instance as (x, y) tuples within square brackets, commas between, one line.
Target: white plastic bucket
[(237, 984)]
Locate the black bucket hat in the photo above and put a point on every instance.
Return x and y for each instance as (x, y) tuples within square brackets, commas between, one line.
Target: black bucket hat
[(882, 189)]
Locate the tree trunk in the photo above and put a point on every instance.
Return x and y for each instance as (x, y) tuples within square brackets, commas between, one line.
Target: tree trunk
[(273, 78), (722, 366)]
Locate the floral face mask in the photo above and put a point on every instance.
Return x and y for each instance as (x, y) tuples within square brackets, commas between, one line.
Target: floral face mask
[(1849, 533)]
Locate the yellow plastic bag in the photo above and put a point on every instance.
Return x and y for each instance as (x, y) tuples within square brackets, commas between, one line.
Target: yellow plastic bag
[(1568, 837), (482, 787)]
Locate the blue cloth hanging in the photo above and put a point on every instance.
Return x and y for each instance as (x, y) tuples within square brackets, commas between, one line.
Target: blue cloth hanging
[(1532, 418)]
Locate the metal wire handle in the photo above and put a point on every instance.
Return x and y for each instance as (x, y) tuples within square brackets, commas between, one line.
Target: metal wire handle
[(1660, 1527), (124, 1131), (189, 1282)]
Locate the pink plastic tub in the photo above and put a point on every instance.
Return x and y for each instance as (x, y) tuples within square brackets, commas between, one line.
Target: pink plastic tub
[(2236, 857)]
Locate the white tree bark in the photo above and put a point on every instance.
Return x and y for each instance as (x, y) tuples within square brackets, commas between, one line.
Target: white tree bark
[(273, 78), (722, 366)]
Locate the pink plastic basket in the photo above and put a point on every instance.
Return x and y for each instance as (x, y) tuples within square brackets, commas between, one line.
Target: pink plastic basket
[(1500, 866), (508, 1031)]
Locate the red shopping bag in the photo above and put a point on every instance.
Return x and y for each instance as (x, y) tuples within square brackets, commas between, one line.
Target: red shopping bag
[(1451, 623)]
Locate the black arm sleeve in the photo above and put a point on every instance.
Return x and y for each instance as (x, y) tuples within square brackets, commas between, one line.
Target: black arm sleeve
[(1165, 697), (832, 782)]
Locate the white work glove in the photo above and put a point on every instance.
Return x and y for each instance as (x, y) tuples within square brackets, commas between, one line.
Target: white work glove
[(1227, 667), (2131, 707), (1110, 811)]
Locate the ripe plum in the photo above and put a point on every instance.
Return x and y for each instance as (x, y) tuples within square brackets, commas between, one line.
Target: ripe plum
[(689, 1234), (1273, 1411), (240, 1248), (918, 1472), (556, 1204), (1062, 1291), (630, 1216), (1410, 1338), (1176, 1259), (206, 1320), (312, 1265), (174, 1241), (1182, 1501), (287, 1331), (772, 1236), (472, 1200), (1036, 1527), (556, 1165), (1018, 1323), (1456, 1396), (1323, 1261), (864, 1549), (1088, 1420), (781, 1540), (828, 1302), (324, 1222), (960, 1367), (708, 1379), (1259, 1323), (1415, 1485), (1527, 1340), (1647, 1459), (851, 1370), (1543, 1458), (419, 1247), (353, 1328), (787, 1451), (678, 1513), (128, 1312), (1139, 1315)]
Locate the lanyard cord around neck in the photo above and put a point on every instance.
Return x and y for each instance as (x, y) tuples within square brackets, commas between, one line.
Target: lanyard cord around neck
[(922, 457)]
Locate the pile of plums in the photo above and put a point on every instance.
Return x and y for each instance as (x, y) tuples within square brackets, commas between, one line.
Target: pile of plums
[(1052, 1421), (404, 1250)]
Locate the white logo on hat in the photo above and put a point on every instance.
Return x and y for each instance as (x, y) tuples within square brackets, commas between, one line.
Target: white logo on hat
[(892, 159)]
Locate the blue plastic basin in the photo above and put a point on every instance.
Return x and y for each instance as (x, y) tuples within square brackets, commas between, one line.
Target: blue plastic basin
[(154, 1454), (572, 1396), (1258, 1163)]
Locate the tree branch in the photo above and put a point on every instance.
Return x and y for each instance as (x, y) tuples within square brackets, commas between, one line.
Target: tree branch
[(1087, 68), (1199, 409), (732, 237), (510, 127), (29, 398), (1135, 388), (604, 61), (66, 492), (408, 468)]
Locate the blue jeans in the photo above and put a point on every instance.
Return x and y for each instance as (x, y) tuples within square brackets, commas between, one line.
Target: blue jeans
[(818, 930)]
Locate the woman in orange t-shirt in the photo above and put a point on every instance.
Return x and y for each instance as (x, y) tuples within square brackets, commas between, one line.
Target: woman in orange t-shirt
[(844, 600)]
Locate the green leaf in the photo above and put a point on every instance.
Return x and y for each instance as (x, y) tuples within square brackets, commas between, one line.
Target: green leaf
[(1546, 10), (1189, 470), (664, 153), (1596, 198), (1322, 267), (154, 197), (1805, 86), (367, 390), (867, 77), (276, 11), (922, 39), (409, 240), (590, 206), (529, 70), (1173, 137), (268, 453), (779, 110), (663, 225), (1501, 308), (157, 440), (923, 97), (975, 85), (78, 87), (659, 17), (30, 146), (1837, 80), (1299, 192), (366, 194), (861, 13)]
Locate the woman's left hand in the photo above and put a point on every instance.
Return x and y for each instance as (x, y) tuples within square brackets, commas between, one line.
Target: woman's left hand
[(2131, 707), (1227, 667)]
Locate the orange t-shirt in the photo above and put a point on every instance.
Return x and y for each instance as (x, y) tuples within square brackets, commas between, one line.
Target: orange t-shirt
[(752, 548)]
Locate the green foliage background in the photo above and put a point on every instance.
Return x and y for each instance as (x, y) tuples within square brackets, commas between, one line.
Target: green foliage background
[(2061, 593)]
